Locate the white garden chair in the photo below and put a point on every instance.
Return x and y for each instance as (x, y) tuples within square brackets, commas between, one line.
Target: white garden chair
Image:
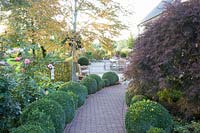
[(83, 71)]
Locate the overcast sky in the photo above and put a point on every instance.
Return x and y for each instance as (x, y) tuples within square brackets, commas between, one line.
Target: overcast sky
[(140, 9)]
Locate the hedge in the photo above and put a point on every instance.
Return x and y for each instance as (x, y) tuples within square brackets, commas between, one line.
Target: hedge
[(41, 119), (51, 108), (98, 80), (28, 129), (90, 83), (156, 130), (78, 89), (62, 70), (103, 83), (128, 96), (112, 77), (67, 100), (83, 61), (143, 115), (107, 82)]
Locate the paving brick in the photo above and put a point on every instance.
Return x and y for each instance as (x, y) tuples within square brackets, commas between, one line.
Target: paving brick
[(103, 112)]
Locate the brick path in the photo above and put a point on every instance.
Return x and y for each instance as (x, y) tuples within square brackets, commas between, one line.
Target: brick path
[(103, 112)]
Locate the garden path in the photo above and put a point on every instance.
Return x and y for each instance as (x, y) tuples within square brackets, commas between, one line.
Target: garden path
[(103, 112)]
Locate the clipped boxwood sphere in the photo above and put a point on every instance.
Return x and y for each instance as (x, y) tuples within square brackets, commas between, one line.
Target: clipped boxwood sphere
[(103, 83), (67, 101), (98, 80), (138, 98), (41, 119), (156, 130), (128, 97), (50, 108), (28, 129), (83, 61), (123, 55), (78, 89), (111, 76), (143, 115), (90, 83), (75, 98), (107, 82)]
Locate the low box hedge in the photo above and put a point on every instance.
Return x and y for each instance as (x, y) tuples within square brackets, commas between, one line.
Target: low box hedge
[(90, 83), (28, 128), (143, 115), (112, 77), (98, 80), (78, 89), (41, 119), (51, 108), (107, 82), (68, 101)]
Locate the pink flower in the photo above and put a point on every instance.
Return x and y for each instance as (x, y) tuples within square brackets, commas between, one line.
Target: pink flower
[(18, 58), (27, 61), (50, 66)]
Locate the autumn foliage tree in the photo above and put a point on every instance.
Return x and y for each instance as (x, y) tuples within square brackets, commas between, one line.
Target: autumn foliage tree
[(97, 20), (32, 23), (166, 58)]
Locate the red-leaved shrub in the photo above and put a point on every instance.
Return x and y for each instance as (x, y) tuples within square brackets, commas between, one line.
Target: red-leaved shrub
[(167, 56)]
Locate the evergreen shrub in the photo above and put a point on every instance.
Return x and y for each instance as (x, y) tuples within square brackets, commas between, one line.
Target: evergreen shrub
[(112, 77), (78, 89), (67, 100), (51, 108), (83, 61), (98, 80), (143, 115), (90, 83)]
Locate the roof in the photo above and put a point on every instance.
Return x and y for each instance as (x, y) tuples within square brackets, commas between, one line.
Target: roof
[(156, 11)]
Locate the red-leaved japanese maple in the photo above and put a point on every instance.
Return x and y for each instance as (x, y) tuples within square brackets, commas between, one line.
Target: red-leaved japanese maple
[(167, 56)]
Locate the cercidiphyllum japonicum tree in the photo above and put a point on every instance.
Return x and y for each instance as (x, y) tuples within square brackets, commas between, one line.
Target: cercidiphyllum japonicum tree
[(167, 56)]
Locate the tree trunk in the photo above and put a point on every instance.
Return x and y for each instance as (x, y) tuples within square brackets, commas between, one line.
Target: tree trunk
[(75, 11), (33, 41), (43, 51)]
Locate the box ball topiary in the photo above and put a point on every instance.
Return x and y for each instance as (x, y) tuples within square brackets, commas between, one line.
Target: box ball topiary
[(90, 83), (137, 98), (156, 130), (83, 61), (28, 128), (98, 80), (123, 55), (41, 119), (128, 96), (102, 83), (107, 82), (78, 89), (50, 108), (75, 97), (143, 115), (67, 101), (111, 76)]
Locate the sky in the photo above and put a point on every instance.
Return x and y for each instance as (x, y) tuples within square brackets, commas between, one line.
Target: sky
[(140, 9)]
